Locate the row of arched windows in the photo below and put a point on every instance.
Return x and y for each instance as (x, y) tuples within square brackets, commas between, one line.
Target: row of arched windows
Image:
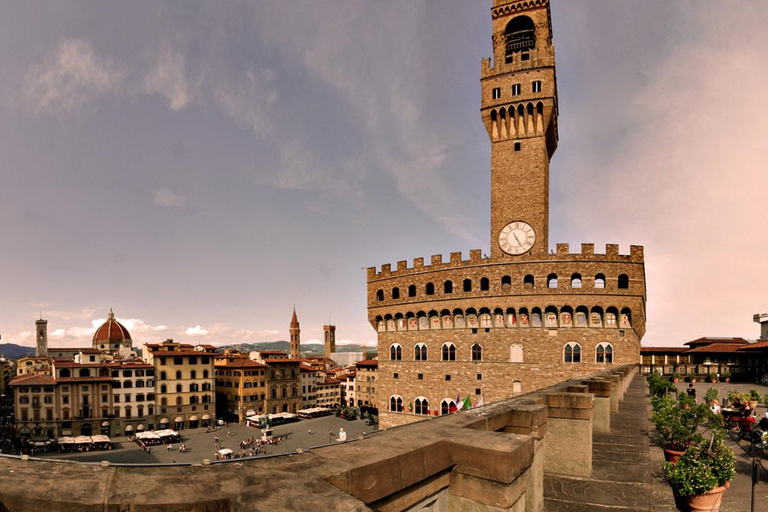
[(192, 387), (550, 317), (447, 352), (529, 281), (571, 352), (192, 400)]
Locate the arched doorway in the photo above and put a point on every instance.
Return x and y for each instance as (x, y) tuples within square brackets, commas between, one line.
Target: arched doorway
[(285, 407), (86, 429)]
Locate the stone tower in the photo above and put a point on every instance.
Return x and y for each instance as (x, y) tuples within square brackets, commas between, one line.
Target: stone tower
[(41, 328), (295, 337), (519, 110), (526, 317), (329, 338)]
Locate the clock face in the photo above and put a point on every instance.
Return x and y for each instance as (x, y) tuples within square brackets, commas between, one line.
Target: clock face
[(517, 238)]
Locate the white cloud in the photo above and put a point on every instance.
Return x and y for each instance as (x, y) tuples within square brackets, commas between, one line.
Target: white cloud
[(196, 331), (249, 100), (168, 199), (167, 77), (160, 328), (70, 79)]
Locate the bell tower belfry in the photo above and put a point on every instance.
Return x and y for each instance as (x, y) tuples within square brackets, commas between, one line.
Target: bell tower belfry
[(295, 332), (519, 110)]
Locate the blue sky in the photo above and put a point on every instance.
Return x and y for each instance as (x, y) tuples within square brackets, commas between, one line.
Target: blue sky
[(203, 168)]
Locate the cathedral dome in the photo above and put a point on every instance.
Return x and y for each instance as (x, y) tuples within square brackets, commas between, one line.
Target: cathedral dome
[(111, 331)]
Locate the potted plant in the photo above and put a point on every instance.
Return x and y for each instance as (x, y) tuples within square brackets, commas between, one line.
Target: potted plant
[(676, 377), (677, 422), (711, 395), (727, 376), (753, 397), (703, 473), (692, 377)]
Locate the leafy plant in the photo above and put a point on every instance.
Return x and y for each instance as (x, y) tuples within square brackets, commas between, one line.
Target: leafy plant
[(659, 386), (677, 375), (702, 467), (726, 374), (753, 396), (733, 395), (692, 376), (711, 395), (677, 421)]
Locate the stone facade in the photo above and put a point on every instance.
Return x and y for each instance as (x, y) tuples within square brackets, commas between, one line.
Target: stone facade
[(523, 318)]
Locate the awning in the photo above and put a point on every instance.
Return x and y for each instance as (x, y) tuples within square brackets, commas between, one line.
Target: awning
[(83, 440), (193, 418), (250, 412), (104, 423), (140, 428), (101, 439), (206, 416), (165, 420), (179, 419), (128, 428), (225, 451)]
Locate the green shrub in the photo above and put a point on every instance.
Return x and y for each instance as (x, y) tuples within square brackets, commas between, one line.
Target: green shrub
[(711, 395), (753, 395), (677, 421), (658, 385), (702, 467)]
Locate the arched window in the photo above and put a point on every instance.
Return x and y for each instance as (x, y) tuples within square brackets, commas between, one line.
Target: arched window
[(422, 405), (412, 290), (572, 353), (205, 374), (379, 295), (516, 353), (163, 401), (520, 36), (395, 403), (477, 352), (623, 281), (420, 352), (448, 287), (178, 400), (395, 292), (552, 281), (528, 281), (85, 372), (283, 392), (600, 281), (517, 387), (467, 285), (178, 388), (163, 388), (178, 375), (449, 352), (64, 372), (447, 406), (395, 352), (485, 285), (163, 376), (604, 353), (430, 289), (576, 281)]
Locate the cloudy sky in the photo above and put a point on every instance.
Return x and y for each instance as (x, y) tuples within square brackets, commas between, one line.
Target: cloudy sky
[(202, 167)]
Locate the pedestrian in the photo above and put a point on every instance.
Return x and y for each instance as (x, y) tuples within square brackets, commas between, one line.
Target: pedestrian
[(310, 431), (691, 391)]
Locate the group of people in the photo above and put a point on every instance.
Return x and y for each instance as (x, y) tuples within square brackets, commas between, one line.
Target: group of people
[(182, 447)]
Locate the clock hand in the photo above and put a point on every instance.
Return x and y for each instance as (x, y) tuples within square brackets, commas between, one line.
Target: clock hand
[(517, 239)]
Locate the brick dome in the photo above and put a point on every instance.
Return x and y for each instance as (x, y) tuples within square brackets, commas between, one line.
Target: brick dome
[(111, 331)]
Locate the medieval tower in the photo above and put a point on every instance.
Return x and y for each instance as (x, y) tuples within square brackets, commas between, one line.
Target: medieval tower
[(41, 330), (525, 317), (295, 333), (329, 340)]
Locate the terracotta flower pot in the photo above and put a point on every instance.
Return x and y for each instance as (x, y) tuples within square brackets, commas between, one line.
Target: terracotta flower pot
[(675, 380), (671, 455), (709, 501), (727, 379)]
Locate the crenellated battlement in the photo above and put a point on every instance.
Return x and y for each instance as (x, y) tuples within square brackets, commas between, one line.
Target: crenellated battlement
[(476, 257), (504, 7)]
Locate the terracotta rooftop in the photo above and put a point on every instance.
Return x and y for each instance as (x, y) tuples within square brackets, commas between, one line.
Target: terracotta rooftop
[(715, 348), (32, 379), (240, 363), (704, 340), (367, 363), (760, 345)]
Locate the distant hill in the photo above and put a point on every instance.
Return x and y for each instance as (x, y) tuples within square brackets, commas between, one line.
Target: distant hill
[(307, 349), (13, 351)]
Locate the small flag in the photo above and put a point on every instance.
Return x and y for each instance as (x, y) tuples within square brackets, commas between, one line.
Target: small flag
[(453, 408), (478, 403), (467, 404), (410, 407)]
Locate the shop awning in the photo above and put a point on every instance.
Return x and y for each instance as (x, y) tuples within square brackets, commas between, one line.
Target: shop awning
[(206, 416), (104, 423), (193, 418), (179, 419), (129, 428), (165, 420)]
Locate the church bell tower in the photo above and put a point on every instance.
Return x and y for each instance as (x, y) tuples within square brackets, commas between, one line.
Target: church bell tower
[(519, 110), (41, 328), (295, 332)]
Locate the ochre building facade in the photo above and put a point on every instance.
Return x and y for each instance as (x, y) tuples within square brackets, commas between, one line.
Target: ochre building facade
[(527, 316)]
